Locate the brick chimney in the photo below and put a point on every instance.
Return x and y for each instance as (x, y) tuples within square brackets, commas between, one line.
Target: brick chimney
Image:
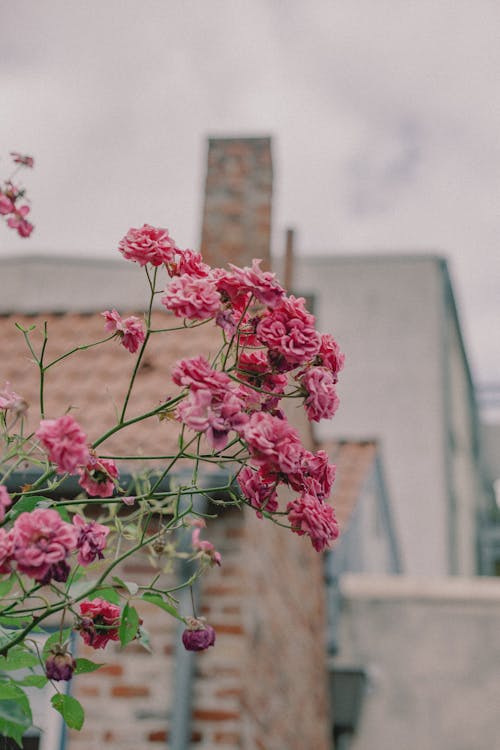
[(237, 210)]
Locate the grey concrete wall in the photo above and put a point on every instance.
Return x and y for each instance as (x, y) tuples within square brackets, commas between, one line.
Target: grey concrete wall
[(50, 283), (387, 314), (431, 649)]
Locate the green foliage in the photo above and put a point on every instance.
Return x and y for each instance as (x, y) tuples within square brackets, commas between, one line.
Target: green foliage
[(105, 592), (26, 504), (129, 624), (159, 601), (6, 586), (85, 665), (129, 586), (70, 709), (18, 657), (15, 711), (33, 680)]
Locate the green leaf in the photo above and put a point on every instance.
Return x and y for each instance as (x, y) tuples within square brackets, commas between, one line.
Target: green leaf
[(63, 513), (159, 601), (6, 637), (85, 665), (130, 586), (33, 680), (70, 709), (129, 624), (107, 593), (144, 640), (15, 711), (55, 638), (26, 504), (18, 657), (14, 621), (5, 586)]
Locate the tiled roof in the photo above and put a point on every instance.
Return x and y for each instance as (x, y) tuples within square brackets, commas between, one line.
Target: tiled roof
[(354, 461), (93, 383)]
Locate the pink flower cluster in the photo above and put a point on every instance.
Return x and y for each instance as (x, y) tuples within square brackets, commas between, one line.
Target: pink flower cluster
[(11, 401), (11, 195), (130, 330), (214, 404), (39, 544), (65, 443), (277, 343)]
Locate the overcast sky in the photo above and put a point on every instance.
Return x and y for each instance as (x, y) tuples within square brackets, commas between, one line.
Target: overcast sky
[(385, 116)]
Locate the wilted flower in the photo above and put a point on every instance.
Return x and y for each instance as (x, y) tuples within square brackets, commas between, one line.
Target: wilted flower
[(130, 330), (91, 540), (198, 635), (99, 622), (60, 665), (97, 476)]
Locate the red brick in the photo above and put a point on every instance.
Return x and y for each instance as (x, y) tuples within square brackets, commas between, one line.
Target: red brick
[(227, 628), (88, 690), (114, 670), (130, 691), (159, 736), (214, 714)]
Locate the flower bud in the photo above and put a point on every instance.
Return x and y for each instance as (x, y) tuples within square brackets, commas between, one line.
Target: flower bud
[(198, 635), (60, 665)]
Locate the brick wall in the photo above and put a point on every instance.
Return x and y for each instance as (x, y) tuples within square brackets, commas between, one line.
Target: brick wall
[(237, 209)]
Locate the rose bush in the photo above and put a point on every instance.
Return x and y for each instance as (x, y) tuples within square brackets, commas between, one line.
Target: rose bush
[(12, 195), (59, 557)]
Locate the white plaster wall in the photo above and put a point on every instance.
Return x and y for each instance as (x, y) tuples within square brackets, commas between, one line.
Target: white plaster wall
[(431, 650), (386, 312), (42, 284)]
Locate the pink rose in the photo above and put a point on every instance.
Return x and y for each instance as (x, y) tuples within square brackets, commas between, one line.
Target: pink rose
[(6, 550), (91, 540), (321, 400), (191, 263), (97, 476), (289, 333), (273, 443), (99, 622), (10, 400), (5, 501), (259, 490), (262, 284), (191, 297), (42, 542), (65, 443), (330, 356), (6, 205), (316, 475), (196, 372), (148, 245), (130, 330), (308, 515), (19, 222)]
